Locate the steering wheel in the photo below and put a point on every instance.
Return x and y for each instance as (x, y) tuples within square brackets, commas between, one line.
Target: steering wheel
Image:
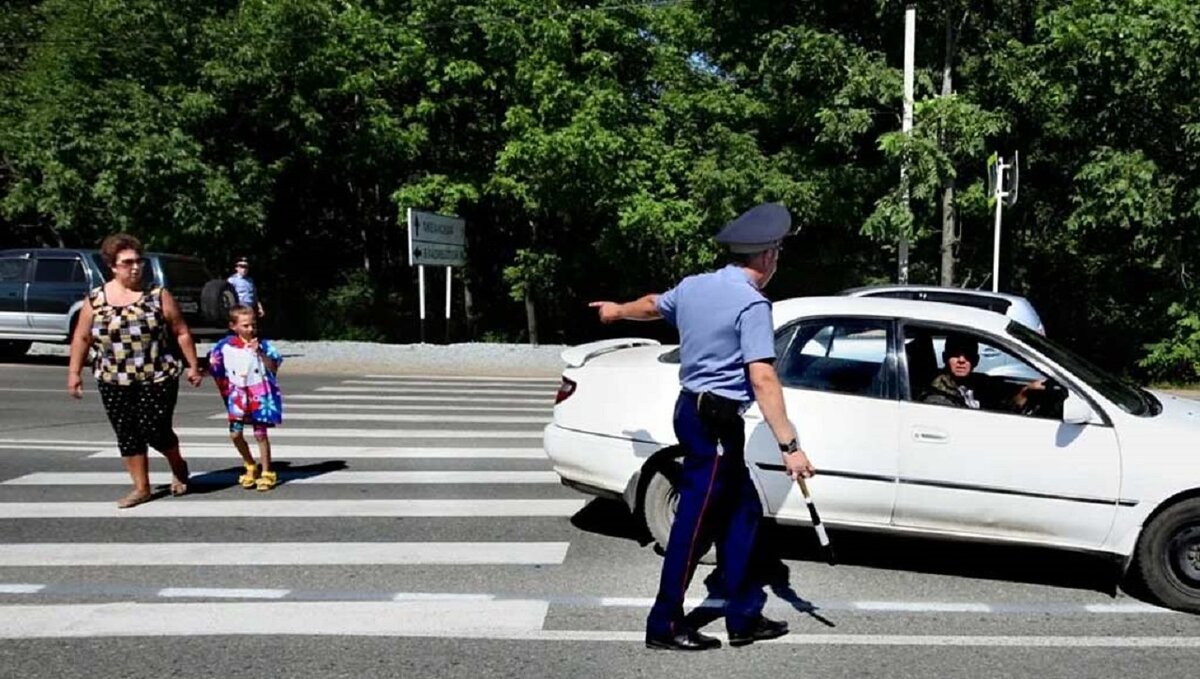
[(1043, 402)]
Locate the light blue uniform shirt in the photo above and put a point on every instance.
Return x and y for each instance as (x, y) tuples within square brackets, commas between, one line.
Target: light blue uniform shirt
[(724, 325), (244, 287)]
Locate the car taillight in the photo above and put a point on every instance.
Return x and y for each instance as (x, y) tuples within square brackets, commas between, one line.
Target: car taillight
[(564, 390)]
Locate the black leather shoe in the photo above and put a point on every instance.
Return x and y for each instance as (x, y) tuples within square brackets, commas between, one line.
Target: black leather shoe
[(762, 629), (687, 640)]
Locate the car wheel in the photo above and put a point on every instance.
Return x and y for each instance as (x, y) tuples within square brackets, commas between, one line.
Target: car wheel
[(1169, 556), (659, 500), (216, 299), (14, 348)]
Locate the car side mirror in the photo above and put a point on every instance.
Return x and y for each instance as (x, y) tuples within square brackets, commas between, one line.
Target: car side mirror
[(1077, 411)]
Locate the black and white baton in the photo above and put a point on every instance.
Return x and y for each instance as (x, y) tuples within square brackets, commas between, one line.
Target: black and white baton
[(822, 537)]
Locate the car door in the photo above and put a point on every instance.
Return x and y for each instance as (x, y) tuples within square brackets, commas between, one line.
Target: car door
[(13, 283), (58, 286), (995, 473), (840, 388)]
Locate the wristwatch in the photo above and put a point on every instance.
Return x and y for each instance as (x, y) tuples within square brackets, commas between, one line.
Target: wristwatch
[(789, 447)]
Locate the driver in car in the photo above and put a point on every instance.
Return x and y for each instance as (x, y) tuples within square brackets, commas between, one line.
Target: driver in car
[(958, 386)]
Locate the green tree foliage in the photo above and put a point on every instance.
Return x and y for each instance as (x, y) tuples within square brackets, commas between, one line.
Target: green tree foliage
[(594, 148)]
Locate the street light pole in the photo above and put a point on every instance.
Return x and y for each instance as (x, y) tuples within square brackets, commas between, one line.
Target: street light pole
[(910, 41)]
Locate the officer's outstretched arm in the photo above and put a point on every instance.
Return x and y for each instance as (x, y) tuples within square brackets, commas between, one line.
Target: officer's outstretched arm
[(642, 309), (769, 395)]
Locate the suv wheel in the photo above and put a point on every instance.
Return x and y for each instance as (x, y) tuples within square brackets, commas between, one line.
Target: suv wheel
[(216, 299)]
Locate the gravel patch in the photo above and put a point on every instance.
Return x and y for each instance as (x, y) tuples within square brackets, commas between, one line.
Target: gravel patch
[(370, 358)]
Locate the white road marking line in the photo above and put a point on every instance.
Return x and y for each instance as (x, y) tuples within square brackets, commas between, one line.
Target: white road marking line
[(48, 446), (292, 509), (53, 442), (532, 387), (1126, 608), (922, 606), (462, 618), (395, 618), (428, 401), (468, 378), (291, 451), (406, 417), (495, 394), (335, 477), (330, 432), (20, 588), (402, 407), (222, 593), (36, 555), (436, 596)]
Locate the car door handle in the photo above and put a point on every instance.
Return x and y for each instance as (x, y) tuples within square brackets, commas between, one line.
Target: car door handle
[(929, 436)]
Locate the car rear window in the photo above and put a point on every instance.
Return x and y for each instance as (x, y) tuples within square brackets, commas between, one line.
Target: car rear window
[(996, 304), (185, 273)]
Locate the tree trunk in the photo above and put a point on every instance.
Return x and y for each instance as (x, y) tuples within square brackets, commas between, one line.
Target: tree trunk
[(531, 319), (949, 214)]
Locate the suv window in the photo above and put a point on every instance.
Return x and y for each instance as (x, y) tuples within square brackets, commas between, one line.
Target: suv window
[(185, 273), (845, 356), (12, 269), (59, 271)]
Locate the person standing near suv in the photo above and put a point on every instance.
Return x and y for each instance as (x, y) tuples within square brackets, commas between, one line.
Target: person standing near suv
[(138, 378), (243, 285)]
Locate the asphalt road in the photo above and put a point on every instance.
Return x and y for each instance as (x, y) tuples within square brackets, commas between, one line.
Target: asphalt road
[(420, 533)]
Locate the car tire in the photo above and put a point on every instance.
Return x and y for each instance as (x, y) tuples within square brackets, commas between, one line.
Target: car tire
[(660, 497), (13, 348), (1168, 556), (217, 297)]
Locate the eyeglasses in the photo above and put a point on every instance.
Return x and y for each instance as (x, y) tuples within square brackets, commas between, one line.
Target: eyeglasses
[(127, 263)]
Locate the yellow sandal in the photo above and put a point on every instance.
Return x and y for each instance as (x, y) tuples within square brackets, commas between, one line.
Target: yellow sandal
[(267, 481), (248, 479)]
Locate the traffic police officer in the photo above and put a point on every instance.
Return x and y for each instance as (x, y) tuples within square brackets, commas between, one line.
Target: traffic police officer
[(727, 353)]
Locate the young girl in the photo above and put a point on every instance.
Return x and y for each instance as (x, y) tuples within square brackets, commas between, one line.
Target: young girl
[(244, 367)]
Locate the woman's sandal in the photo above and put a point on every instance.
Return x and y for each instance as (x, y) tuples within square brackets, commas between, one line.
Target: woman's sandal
[(134, 499), (267, 481)]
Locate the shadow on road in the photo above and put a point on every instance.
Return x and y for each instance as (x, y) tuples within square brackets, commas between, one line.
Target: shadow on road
[(216, 480), (1031, 565)]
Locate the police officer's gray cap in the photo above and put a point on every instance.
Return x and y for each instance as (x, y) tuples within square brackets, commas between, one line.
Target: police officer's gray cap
[(757, 229)]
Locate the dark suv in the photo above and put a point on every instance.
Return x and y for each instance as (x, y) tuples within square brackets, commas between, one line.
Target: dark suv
[(42, 291)]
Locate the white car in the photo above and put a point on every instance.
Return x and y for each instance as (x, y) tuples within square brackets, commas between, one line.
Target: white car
[(1090, 464)]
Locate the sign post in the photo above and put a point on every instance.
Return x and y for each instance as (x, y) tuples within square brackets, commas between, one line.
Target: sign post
[(436, 240)]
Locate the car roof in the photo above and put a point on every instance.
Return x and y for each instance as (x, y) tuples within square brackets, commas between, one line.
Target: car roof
[(868, 289), (917, 310)]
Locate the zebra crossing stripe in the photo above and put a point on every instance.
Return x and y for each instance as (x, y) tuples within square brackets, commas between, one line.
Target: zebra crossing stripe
[(336, 477), (410, 418), (530, 387), (427, 401), (450, 379), (292, 406), (178, 508), (294, 452), (365, 618), (331, 432), (39, 554), (546, 396)]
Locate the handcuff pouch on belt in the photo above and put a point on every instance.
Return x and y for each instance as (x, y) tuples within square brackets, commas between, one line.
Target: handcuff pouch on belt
[(718, 413)]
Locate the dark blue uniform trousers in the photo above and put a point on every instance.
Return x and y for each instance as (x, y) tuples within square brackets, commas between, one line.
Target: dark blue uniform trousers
[(717, 503)]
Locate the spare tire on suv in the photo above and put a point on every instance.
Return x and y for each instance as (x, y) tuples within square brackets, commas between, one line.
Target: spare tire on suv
[(216, 299)]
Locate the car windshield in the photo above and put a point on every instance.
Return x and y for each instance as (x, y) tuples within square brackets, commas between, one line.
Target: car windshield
[(1131, 399)]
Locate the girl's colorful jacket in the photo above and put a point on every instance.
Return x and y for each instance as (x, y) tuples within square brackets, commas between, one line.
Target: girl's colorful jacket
[(250, 391)]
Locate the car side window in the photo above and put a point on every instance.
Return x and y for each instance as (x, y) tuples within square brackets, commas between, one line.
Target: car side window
[(60, 270), (12, 269), (844, 356), (993, 382)]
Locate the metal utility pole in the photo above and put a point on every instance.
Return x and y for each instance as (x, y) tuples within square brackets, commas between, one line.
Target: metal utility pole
[(910, 41), (1003, 192)]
